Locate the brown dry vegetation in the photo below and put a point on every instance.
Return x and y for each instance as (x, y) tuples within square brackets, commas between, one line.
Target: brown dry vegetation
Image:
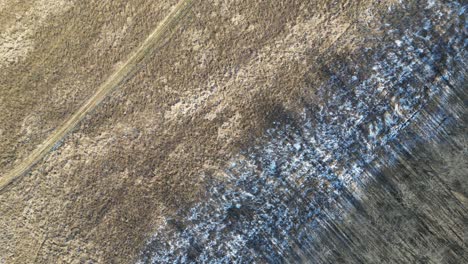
[(216, 84), (71, 53)]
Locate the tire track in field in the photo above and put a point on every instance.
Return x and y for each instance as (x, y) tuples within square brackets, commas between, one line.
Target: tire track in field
[(109, 85)]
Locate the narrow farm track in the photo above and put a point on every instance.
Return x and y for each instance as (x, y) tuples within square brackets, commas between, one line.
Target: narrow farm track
[(109, 85)]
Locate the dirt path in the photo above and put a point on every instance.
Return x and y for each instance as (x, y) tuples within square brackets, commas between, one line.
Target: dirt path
[(112, 82)]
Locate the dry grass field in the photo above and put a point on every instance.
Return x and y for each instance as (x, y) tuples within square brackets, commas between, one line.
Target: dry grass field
[(171, 119)]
